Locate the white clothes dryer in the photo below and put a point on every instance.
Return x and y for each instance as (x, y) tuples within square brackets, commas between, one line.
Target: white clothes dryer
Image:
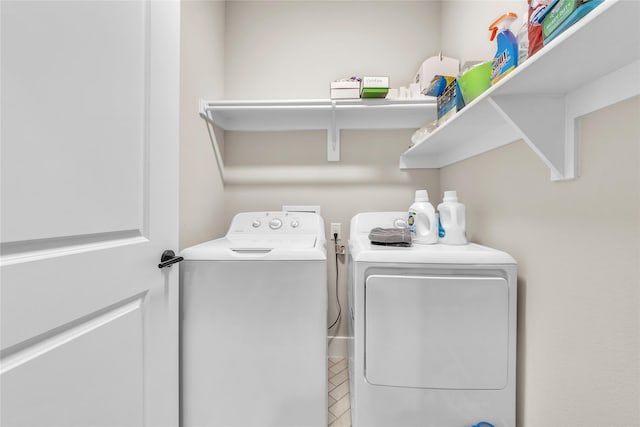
[(433, 332), (254, 324)]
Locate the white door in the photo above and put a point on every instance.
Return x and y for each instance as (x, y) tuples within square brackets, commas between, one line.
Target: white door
[(89, 160)]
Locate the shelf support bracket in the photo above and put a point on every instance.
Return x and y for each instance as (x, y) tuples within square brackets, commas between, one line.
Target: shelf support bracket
[(333, 137), (550, 125), (540, 121), (598, 94), (206, 115)]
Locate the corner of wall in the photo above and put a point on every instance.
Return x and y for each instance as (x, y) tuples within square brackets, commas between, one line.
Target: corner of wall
[(202, 76)]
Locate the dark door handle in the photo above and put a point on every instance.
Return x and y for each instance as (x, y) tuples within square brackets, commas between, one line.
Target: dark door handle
[(168, 258)]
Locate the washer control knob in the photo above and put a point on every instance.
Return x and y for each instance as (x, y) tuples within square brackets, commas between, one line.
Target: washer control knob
[(294, 223), (256, 223), (275, 223)]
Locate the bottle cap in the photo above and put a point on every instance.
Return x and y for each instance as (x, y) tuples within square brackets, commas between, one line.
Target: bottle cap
[(422, 196), (501, 23), (450, 196)]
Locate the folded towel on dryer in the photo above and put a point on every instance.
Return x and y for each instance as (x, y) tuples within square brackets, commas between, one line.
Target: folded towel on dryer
[(390, 236)]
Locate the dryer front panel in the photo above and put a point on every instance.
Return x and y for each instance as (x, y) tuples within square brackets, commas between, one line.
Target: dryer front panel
[(444, 332)]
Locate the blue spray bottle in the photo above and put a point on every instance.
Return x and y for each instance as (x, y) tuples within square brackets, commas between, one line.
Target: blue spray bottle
[(506, 59)]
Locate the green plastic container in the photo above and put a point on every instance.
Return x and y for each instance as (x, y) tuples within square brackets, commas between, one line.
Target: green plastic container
[(475, 81)]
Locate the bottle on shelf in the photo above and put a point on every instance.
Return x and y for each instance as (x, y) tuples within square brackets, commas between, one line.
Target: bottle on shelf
[(506, 58)]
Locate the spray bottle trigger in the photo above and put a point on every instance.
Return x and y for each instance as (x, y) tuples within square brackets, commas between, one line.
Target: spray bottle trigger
[(494, 30), (508, 17)]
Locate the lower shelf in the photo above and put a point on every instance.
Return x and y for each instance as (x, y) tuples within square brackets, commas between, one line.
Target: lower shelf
[(547, 123)]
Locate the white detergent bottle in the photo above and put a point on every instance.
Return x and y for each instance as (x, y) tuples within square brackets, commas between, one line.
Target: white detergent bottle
[(422, 220), (452, 222)]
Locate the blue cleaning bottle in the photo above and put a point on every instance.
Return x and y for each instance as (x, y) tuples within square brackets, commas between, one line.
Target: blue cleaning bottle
[(506, 58)]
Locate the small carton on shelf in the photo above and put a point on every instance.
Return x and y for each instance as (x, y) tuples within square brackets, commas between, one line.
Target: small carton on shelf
[(345, 89), (374, 87), (561, 14), (449, 98)]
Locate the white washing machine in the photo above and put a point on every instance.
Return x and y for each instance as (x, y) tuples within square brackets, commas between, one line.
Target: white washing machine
[(433, 332), (254, 324)]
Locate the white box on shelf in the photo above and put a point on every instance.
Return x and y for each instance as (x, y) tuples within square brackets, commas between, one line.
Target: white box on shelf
[(345, 89), (345, 84), (375, 82), (345, 93), (436, 66)]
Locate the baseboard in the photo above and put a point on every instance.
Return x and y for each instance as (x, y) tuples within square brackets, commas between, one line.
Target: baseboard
[(338, 346)]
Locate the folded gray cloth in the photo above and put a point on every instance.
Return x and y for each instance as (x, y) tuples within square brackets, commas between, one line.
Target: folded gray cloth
[(390, 236)]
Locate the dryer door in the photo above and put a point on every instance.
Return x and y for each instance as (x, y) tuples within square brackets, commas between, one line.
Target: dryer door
[(436, 332)]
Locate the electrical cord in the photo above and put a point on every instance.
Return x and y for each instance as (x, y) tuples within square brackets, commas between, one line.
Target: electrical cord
[(335, 239)]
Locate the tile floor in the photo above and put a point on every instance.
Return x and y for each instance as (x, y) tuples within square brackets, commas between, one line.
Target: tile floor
[(339, 403)]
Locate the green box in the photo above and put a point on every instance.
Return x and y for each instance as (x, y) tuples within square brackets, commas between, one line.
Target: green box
[(374, 92), (559, 13), (374, 87)]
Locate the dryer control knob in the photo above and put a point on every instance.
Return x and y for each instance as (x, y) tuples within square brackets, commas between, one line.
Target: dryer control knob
[(275, 223), (256, 223), (294, 224)]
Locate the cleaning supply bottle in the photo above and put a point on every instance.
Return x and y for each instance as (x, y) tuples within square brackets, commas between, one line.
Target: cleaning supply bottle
[(523, 43), (422, 220), (451, 221), (506, 58)]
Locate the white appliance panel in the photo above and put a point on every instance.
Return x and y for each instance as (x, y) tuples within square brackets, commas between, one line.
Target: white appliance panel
[(254, 324), (255, 340), (463, 324)]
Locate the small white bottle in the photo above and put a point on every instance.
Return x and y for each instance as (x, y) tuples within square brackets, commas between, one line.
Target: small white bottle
[(451, 220), (422, 220)]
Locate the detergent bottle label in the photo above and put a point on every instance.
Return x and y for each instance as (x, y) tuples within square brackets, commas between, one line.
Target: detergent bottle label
[(411, 222), (441, 232)]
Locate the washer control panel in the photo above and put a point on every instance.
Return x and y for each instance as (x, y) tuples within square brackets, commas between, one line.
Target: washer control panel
[(277, 222)]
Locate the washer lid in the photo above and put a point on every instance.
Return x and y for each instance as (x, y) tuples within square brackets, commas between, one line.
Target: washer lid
[(270, 242), (266, 236), (258, 247)]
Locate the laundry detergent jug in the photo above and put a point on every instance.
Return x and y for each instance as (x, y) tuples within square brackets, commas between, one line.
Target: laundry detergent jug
[(451, 220), (422, 220)]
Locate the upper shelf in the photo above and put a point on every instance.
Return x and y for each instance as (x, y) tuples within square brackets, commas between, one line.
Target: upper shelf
[(593, 64), (301, 114), (332, 115)]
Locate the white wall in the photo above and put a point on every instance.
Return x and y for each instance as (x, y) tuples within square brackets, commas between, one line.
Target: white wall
[(202, 76), (294, 49), (577, 244)]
